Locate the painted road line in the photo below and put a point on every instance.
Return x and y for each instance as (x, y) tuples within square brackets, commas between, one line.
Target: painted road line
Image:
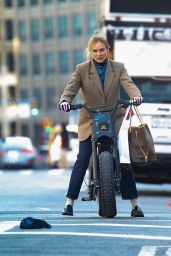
[(153, 250), (42, 209), (56, 172), (113, 225), (126, 236), (26, 172), (7, 225), (148, 251)]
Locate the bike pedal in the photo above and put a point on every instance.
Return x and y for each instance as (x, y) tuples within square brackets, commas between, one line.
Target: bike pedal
[(88, 198)]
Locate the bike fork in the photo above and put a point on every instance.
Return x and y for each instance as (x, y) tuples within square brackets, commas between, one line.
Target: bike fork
[(95, 166)]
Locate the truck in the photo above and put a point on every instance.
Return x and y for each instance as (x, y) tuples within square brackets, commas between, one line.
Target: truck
[(139, 35)]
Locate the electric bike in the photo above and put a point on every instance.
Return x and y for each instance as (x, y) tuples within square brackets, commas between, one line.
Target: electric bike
[(106, 174)]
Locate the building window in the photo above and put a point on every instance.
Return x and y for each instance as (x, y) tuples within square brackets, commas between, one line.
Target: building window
[(47, 1), (21, 3), (10, 61), (62, 26), (33, 3), (48, 28), (51, 100), (37, 133), (37, 96), (23, 96), (91, 23), (8, 3), (78, 57), (35, 31), (36, 70), (49, 63), (9, 29), (24, 130), (64, 62), (77, 24), (23, 66), (22, 30)]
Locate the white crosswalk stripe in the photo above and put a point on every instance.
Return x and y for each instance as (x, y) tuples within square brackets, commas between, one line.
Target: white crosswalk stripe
[(154, 250)]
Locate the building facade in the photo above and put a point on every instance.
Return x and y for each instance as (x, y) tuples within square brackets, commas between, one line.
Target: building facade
[(41, 43)]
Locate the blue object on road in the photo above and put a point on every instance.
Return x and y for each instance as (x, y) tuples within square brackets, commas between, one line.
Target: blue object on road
[(31, 223)]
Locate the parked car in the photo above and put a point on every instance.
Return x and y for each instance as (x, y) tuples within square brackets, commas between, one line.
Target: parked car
[(17, 152)]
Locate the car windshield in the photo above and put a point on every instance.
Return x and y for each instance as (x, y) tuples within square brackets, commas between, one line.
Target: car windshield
[(154, 90)]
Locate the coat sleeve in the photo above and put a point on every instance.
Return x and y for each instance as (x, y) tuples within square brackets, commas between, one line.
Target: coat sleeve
[(129, 86), (72, 88)]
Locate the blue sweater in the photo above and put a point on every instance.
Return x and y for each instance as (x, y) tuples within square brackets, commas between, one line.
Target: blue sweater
[(101, 69)]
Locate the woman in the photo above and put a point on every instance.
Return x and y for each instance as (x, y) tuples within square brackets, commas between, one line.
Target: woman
[(100, 80)]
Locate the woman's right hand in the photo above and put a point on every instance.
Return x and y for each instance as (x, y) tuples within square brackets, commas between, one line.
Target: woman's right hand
[(64, 106)]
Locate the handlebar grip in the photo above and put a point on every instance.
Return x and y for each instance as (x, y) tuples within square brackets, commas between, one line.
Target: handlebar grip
[(75, 107)]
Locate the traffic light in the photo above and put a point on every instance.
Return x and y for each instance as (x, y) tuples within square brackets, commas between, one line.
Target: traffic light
[(34, 109), (46, 124)]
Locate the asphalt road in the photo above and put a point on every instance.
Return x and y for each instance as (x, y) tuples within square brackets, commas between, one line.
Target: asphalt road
[(41, 194)]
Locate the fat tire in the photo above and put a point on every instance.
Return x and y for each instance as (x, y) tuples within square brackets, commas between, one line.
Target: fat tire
[(106, 191)]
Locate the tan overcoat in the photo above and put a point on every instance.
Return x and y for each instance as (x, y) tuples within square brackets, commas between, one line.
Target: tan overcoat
[(87, 78)]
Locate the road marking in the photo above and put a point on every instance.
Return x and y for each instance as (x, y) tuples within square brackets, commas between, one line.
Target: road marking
[(151, 250), (26, 172), (56, 172), (42, 209), (7, 225), (148, 251), (127, 236), (113, 225), (10, 223), (168, 252)]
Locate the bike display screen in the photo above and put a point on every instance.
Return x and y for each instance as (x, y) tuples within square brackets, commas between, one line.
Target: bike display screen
[(103, 127)]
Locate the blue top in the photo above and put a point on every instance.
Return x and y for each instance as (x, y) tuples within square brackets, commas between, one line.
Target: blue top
[(101, 69)]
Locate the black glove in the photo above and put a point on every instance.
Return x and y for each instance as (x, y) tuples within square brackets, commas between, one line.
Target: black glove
[(65, 106), (138, 100)]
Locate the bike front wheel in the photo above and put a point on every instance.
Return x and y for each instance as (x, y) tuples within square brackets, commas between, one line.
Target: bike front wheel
[(106, 191)]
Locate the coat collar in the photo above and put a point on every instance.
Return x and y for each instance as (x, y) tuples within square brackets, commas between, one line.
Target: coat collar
[(109, 75)]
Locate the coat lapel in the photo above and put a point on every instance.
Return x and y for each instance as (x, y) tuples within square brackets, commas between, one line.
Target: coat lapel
[(109, 76)]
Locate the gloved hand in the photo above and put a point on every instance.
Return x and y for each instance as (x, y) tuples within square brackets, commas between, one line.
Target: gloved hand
[(65, 106), (138, 100)]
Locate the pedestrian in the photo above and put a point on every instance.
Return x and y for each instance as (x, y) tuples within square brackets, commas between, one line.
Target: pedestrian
[(100, 80), (64, 147)]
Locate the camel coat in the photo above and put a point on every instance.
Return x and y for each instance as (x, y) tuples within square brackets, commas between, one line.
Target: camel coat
[(87, 79)]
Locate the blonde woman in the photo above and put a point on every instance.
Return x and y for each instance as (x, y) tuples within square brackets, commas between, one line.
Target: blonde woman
[(100, 80)]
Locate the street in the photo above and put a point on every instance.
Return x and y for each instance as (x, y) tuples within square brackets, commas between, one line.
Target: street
[(41, 194)]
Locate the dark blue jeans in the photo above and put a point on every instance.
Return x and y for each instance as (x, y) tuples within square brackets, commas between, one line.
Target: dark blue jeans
[(128, 186)]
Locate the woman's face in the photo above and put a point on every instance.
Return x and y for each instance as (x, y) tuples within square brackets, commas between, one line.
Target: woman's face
[(99, 52)]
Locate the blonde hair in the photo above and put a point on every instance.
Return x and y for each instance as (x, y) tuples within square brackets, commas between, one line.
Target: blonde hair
[(93, 40)]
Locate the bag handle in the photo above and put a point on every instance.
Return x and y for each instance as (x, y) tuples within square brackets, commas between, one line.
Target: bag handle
[(136, 134), (128, 113), (138, 114)]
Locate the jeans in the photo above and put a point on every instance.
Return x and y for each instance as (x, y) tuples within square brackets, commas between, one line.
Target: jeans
[(128, 186)]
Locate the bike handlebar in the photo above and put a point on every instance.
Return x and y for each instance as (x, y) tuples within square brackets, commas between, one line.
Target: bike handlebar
[(121, 102)]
